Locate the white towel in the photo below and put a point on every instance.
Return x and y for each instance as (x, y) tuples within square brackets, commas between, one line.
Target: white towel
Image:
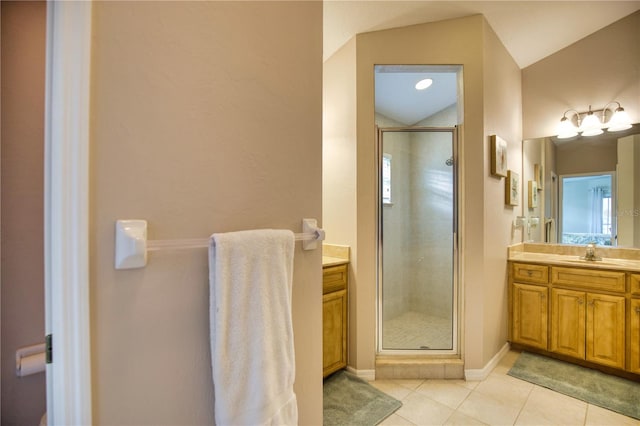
[(252, 353)]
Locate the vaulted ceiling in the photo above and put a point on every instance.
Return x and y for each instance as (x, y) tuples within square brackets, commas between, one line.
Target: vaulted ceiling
[(529, 30)]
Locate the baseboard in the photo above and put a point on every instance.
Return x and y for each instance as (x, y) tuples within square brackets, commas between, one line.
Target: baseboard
[(482, 373), (368, 375)]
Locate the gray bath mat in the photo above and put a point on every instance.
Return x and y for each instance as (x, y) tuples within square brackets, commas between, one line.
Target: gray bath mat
[(351, 401), (592, 386)]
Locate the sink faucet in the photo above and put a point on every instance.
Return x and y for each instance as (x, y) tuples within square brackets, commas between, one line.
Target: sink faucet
[(590, 253)]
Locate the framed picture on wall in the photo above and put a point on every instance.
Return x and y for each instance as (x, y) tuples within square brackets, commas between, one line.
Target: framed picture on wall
[(533, 194), (539, 175), (498, 156), (512, 188)]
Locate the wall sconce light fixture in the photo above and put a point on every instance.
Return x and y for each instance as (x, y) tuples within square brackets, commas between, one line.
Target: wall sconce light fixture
[(589, 124)]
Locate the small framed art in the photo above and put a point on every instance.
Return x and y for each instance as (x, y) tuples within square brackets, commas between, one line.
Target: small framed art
[(498, 156), (539, 176), (512, 188), (533, 194)]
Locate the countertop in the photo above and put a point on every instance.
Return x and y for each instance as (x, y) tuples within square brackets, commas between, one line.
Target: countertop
[(334, 255), (333, 261), (572, 260)]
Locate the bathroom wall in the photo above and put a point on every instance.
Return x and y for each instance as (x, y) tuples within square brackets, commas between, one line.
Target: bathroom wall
[(205, 117), (339, 155), (432, 292), (491, 83), (596, 70), (502, 100), (628, 191), (431, 224), (22, 136), (584, 157)]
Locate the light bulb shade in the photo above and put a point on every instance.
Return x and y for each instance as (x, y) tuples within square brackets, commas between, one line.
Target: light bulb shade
[(620, 121), (566, 129), (423, 84), (591, 125)]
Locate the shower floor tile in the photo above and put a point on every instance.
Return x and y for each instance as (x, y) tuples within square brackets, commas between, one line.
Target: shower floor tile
[(417, 330)]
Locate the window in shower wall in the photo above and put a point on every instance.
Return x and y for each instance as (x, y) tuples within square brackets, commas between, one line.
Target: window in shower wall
[(417, 288)]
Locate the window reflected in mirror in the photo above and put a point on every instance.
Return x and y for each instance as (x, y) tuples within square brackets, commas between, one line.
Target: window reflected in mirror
[(586, 214)]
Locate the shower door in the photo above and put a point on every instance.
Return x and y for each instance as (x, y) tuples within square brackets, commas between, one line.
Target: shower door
[(417, 251)]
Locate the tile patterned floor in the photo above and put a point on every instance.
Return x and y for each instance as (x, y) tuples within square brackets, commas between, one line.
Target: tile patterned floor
[(416, 330), (498, 400)]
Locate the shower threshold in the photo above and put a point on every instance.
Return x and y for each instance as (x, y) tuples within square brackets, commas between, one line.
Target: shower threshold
[(419, 367)]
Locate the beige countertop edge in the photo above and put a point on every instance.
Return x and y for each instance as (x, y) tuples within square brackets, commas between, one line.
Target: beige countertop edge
[(568, 260), (333, 261)]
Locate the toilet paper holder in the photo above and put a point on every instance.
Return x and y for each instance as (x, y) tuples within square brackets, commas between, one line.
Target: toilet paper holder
[(30, 360)]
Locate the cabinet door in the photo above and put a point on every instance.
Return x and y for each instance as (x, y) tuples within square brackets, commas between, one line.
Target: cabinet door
[(530, 315), (568, 322), (605, 329), (634, 365), (334, 336)]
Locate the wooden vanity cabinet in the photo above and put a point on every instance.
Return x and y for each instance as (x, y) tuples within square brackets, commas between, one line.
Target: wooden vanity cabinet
[(586, 314), (568, 322), (584, 323), (588, 326), (530, 315), (529, 304), (634, 324), (334, 318)]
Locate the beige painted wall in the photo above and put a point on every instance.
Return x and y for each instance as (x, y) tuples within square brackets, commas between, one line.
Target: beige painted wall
[(502, 116), (460, 41), (628, 191), (598, 69), (584, 157), (22, 268), (205, 117), (339, 211)]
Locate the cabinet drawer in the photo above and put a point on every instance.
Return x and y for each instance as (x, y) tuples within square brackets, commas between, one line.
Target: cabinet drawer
[(528, 273), (635, 284), (592, 279), (334, 278)]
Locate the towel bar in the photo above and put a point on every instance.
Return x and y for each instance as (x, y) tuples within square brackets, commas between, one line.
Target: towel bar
[(132, 245)]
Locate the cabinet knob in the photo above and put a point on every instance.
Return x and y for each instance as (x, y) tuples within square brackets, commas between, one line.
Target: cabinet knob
[(580, 301), (529, 273), (637, 309)]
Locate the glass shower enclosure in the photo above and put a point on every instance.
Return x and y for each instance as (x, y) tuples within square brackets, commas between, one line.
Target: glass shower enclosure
[(417, 238)]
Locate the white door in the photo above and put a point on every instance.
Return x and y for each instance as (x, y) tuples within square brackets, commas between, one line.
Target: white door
[(66, 212)]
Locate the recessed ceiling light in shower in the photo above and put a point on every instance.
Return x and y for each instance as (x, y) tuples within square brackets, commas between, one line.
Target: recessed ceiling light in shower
[(423, 84)]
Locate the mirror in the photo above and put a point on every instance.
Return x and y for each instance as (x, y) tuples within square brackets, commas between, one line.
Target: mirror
[(583, 189)]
